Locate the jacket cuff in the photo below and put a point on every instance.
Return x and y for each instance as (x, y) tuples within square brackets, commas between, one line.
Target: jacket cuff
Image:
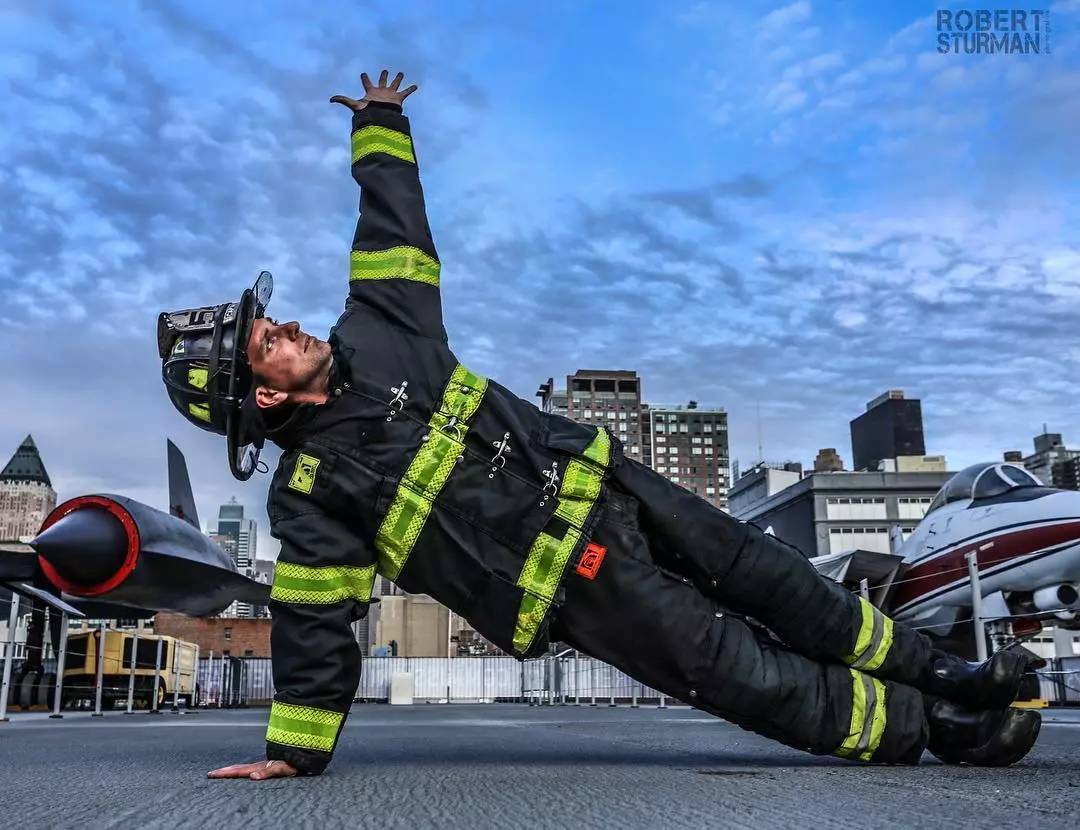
[(388, 115), (307, 761)]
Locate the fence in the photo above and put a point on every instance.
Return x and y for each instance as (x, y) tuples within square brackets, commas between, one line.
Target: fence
[(236, 681), (562, 679)]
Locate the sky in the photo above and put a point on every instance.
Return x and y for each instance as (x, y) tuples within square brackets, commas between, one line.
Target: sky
[(776, 208)]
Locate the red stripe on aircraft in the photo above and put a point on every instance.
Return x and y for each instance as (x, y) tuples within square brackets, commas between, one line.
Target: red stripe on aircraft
[(949, 567)]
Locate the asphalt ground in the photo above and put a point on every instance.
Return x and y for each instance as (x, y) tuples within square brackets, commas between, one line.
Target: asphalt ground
[(503, 765)]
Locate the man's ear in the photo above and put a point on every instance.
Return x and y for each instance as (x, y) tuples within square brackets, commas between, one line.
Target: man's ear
[(265, 397)]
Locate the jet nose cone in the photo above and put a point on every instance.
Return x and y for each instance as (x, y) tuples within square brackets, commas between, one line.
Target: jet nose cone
[(86, 546)]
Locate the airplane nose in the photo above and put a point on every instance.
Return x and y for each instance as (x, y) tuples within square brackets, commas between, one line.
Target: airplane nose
[(86, 546)]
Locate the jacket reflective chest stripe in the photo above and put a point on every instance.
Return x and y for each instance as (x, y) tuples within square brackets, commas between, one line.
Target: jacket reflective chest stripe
[(543, 570), (429, 470)]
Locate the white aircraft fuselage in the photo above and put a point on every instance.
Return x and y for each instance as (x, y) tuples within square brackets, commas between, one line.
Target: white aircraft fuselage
[(1026, 538)]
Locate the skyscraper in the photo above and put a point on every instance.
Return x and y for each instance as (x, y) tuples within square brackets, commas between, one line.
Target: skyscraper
[(26, 494), (891, 427), (238, 537), (687, 444)]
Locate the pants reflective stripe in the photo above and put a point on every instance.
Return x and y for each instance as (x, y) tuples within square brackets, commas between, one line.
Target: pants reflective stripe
[(867, 717), (428, 471), (548, 556), (874, 640), (373, 139), (303, 726), (402, 262), (321, 586)]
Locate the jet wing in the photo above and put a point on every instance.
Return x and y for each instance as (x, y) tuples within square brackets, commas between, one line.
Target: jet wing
[(53, 601), (18, 562)]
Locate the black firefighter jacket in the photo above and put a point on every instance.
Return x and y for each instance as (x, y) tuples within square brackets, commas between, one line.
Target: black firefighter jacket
[(416, 468)]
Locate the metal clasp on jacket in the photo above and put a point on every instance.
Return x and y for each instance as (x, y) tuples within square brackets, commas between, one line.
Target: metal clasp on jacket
[(498, 461), (457, 427), (552, 486), (400, 397)]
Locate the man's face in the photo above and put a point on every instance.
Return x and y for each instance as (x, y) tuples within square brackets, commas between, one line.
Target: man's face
[(286, 359)]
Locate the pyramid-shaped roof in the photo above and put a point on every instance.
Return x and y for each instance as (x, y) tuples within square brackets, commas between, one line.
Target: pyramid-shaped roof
[(26, 465)]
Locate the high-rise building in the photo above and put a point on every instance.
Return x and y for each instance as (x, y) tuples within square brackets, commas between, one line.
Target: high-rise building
[(608, 398), (891, 427), (238, 537), (1052, 462), (687, 444), (26, 494)]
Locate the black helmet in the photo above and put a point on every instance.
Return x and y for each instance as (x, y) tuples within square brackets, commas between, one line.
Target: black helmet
[(206, 373)]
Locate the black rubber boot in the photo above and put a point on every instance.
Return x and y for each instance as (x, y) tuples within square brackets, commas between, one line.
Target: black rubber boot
[(955, 728), (986, 739), (992, 684)]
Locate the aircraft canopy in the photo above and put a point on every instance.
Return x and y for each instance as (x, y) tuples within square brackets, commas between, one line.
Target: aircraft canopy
[(982, 481)]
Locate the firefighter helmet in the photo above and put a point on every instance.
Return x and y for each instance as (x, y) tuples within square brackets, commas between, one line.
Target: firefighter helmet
[(206, 373)]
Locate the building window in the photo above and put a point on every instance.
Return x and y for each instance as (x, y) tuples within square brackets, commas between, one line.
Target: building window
[(661, 469), (695, 440), (675, 479), (634, 450), (248, 652), (696, 450), (228, 633)]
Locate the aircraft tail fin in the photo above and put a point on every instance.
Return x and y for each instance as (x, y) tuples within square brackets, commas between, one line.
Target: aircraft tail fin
[(181, 500)]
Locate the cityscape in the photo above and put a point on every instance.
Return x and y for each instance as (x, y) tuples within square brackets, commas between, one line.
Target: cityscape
[(820, 507)]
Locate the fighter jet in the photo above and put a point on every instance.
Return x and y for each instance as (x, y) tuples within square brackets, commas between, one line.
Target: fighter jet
[(1026, 539), (109, 556)]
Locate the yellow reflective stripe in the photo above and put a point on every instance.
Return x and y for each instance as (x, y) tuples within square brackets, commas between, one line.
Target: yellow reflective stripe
[(372, 139), (530, 616), (878, 657), (858, 716), (547, 558), (200, 411), (321, 586), (868, 717), (877, 725), (303, 726), (866, 630), (402, 262), (579, 490), (428, 471), (874, 640)]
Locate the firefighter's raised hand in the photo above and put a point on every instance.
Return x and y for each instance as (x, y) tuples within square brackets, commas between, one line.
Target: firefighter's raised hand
[(387, 93), (256, 772)]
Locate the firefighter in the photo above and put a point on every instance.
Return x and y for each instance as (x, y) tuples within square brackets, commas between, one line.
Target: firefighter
[(399, 460)]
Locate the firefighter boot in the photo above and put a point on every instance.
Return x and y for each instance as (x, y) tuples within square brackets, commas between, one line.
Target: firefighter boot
[(992, 684), (986, 738)]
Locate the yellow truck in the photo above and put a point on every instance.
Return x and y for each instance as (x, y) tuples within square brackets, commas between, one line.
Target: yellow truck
[(80, 668)]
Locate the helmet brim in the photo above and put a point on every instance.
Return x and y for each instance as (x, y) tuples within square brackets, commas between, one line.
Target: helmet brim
[(245, 432)]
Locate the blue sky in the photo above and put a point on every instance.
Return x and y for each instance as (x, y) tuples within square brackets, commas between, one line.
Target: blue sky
[(786, 205)]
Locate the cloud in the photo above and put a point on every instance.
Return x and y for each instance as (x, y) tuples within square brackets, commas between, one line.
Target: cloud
[(816, 222)]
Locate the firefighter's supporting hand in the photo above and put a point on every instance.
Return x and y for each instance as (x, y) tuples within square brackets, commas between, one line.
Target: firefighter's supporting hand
[(389, 94), (256, 771)]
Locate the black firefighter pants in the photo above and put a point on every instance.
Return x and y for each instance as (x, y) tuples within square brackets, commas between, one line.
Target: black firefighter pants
[(682, 600)]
